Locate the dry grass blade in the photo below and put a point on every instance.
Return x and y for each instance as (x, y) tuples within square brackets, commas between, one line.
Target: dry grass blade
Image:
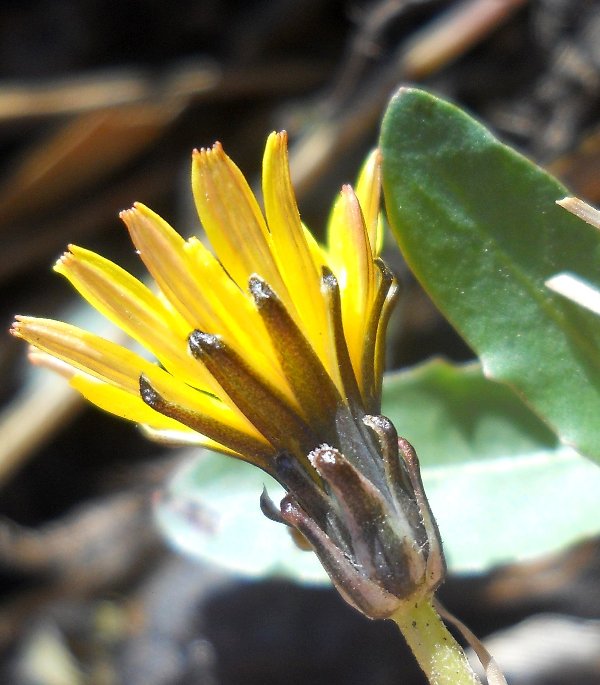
[(101, 90), (432, 48), (453, 33), (41, 409), (83, 152)]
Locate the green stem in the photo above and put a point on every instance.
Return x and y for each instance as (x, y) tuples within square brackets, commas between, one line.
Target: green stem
[(439, 655)]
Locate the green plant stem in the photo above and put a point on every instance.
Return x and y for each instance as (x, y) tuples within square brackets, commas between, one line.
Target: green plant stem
[(439, 655)]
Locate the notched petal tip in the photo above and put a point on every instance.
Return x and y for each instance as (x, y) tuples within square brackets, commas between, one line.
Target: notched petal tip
[(132, 213), (72, 257), (15, 326), (22, 325), (204, 154), (277, 139), (66, 258)]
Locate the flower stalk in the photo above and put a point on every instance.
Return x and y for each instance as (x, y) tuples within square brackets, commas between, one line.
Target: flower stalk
[(441, 658)]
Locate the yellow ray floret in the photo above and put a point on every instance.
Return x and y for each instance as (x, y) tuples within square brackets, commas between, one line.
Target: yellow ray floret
[(352, 258), (232, 219), (368, 191), (111, 379), (130, 305), (290, 246), (261, 341), (196, 286)]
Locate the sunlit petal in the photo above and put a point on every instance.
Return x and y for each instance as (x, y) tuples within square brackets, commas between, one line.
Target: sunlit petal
[(85, 351), (368, 191), (129, 304), (269, 348), (232, 219), (177, 438), (266, 345), (237, 320), (292, 252), (162, 251), (127, 405), (121, 368), (352, 259)]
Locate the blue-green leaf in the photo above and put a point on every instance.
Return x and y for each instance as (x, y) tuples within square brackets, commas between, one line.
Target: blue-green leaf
[(479, 227)]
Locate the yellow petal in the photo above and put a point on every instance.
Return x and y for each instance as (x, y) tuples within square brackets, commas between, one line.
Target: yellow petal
[(232, 219), (123, 403), (368, 192), (196, 285), (162, 251), (177, 438), (135, 309), (84, 351), (318, 252), (155, 426), (118, 367), (238, 323), (173, 390), (351, 254), (293, 253)]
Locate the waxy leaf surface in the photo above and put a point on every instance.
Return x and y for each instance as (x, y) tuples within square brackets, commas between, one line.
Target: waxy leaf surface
[(479, 227)]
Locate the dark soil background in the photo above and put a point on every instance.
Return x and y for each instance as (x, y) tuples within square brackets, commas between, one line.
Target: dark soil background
[(100, 105)]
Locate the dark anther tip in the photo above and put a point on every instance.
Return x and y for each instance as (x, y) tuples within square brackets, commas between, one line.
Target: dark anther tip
[(201, 343), (383, 267), (325, 458), (260, 289), (328, 279), (290, 510), (147, 392), (380, 424), (406, 448)]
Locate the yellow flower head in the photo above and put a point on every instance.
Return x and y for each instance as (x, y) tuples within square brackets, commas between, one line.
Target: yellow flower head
[(270, 348)]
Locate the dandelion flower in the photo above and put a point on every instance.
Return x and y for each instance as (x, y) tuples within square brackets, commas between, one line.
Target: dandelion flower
[(269, 348)]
